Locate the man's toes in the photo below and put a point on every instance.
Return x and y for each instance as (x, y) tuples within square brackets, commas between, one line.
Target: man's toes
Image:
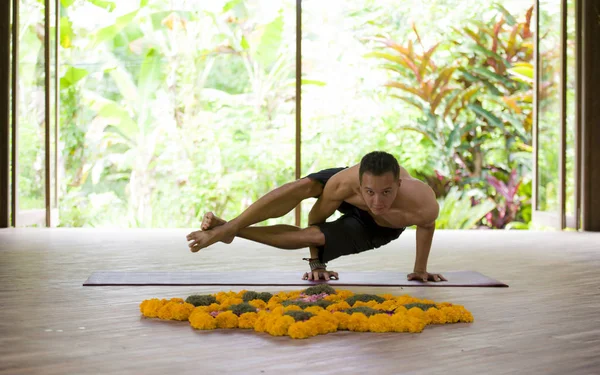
[(208, 220)]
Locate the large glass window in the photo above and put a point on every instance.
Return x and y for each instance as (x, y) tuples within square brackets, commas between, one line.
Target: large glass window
[(549, 109), (171, 109), (31, 113)]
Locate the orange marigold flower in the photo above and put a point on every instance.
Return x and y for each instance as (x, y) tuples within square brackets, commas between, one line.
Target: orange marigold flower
[(226, 302), (358, 322), (344, 294), (333, 298), (165, 312), (370, 304), (388, 305), (416, 312), (273, 303), (176, 311), (342, 319), (261, 321), (292, 308), (400, 310), (294, 294), (258, 303), (279, 310), (201, 320), (314, 309), (465, 315), (300, 330), (227, 319), (415, 325), (247, 320), (150, 307), (451, 315), (213, 307), (436, 316), (325, 322), (279, 325), (381, 323), (338, 306)]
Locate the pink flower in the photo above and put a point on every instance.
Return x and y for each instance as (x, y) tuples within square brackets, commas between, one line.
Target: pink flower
[(312, 298)]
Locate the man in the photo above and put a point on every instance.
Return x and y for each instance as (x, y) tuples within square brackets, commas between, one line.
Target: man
[(378, 200)]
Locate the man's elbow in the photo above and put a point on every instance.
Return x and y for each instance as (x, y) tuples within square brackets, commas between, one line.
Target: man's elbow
[(429, 225)]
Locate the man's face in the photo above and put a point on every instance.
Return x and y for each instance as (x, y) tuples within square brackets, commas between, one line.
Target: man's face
[(379, 192)]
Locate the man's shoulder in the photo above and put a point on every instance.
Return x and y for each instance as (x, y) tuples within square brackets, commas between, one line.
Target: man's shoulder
[(424, 201), (420, 190), (342, 185)]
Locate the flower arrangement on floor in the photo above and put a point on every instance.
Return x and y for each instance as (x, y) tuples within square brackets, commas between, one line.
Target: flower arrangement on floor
[(300, 314)]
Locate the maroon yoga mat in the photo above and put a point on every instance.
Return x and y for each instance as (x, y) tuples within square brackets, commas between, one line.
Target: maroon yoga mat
[(270, 278)]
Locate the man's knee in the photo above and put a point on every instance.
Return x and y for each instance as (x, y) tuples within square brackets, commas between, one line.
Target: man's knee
[(315, 236), (309, 188)]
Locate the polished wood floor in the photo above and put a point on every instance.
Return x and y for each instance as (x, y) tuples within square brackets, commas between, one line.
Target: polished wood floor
[(546, 322)]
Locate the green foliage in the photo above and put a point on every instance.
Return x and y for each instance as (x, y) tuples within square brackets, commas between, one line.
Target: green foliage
[(364, 298), (241, 308), (422, 306), (458, 210), (252, 295), (318, 289), (302, 304), (363, 310), (201, 300), (299, 316), (468, 100)]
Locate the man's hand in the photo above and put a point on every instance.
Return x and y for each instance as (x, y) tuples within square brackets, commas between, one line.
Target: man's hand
[(426, 276), (319, 274)]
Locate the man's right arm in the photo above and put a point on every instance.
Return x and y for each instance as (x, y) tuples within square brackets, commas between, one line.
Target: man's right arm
[(326, 204)]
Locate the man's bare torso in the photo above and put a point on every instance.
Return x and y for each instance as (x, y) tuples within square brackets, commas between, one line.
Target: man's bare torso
[(415, 203)]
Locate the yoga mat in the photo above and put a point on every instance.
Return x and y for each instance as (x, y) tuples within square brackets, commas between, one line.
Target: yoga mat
[(269, 278)]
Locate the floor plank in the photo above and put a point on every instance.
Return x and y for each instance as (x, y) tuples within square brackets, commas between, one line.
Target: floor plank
[(547, 321)]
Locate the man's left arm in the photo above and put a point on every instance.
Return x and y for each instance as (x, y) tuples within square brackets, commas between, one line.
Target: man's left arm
[(424, 240), (425, 231)]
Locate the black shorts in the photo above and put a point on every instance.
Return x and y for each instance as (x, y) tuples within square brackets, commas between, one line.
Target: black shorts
[(354, 232)]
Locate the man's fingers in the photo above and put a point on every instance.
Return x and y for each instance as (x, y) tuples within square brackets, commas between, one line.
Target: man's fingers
[(335, 274), (326, 275), (316, 275), (305, 276)]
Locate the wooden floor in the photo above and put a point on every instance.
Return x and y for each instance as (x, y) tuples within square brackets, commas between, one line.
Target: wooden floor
[(547, 322)]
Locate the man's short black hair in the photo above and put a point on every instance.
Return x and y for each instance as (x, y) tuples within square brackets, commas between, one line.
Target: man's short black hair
[(379, 163)]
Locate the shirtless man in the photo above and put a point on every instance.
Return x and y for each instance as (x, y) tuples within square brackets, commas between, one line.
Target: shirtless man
[(378, 200)]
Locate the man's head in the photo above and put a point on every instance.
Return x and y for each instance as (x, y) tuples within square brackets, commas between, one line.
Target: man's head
[(379, 175)]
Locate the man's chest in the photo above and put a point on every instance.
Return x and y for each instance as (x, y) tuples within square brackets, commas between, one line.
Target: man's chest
[(395, 218)]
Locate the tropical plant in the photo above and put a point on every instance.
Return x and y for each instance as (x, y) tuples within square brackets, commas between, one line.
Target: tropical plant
[(470, 99), (460, 210), (508, 206)]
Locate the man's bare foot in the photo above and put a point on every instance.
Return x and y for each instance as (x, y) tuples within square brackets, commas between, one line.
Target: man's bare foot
[(201, 239), (211, 221)]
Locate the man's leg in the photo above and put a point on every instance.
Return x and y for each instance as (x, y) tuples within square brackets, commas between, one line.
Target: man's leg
[(274, 204), (284, 236)]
